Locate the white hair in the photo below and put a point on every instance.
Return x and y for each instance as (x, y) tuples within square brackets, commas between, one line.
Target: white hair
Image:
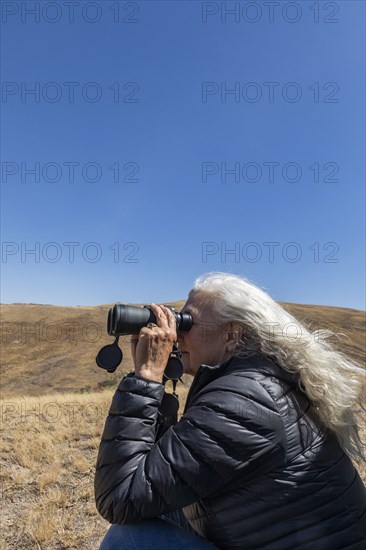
[(332, 381)]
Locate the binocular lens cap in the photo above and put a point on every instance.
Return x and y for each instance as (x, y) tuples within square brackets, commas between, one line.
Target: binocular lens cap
[(174, 368), (109, 357)]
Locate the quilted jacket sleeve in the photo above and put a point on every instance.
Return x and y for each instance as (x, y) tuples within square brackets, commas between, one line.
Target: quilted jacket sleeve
[(224, 439)]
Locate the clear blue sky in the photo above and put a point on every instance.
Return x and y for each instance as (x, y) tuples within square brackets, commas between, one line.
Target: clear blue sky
[(294, 131)]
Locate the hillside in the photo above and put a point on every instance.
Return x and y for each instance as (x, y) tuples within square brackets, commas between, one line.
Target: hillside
[(52, 419), (51, 349)]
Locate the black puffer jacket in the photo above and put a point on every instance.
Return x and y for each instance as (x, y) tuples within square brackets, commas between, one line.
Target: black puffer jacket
[(248, 461)]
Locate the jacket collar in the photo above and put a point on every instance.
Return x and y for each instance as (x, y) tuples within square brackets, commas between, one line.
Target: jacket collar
[(256, 363)]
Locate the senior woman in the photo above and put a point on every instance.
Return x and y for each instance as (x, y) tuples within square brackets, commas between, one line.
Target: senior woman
[(261, 456)]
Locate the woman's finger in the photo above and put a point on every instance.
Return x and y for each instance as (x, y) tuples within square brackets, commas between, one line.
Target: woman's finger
[(170, 317), (161, 318), (133, 342)]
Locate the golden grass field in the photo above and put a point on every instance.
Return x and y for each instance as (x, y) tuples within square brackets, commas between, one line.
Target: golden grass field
[(54, 403), (48, 453)]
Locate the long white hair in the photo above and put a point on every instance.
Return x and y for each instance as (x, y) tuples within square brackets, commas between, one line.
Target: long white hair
[(332, 381)]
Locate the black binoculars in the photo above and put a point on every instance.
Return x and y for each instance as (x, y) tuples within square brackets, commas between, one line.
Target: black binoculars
[(124, 319)]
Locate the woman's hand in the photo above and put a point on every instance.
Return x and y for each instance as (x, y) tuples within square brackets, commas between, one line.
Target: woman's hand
[(151, 348)]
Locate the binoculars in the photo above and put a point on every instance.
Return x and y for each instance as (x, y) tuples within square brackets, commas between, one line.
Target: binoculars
[(123, 320)]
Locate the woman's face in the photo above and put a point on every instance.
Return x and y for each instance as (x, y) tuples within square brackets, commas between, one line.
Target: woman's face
[(204, 343)]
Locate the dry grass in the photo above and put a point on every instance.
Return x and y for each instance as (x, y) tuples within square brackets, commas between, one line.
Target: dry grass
[(48, 452), (48, 455)]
